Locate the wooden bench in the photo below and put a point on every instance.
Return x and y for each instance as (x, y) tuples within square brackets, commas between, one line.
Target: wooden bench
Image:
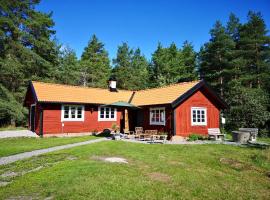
[(215, 134)]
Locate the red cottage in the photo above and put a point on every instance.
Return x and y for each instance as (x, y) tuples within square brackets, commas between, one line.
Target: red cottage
[(178, 109)]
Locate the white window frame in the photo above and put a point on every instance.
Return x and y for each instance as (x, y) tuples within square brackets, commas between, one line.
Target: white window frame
[(205, 116), (107, 119), (69, 113), (154, 122)]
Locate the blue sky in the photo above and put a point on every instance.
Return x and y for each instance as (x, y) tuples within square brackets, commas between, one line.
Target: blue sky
[(143, 23)]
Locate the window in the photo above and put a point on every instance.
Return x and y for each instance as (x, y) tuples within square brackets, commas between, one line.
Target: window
[(107, 114), (198, 116), (157, 116), (72, 113)]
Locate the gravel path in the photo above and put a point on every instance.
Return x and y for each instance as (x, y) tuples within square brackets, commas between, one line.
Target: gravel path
[(21, 156), (19, 133), (186, 142)]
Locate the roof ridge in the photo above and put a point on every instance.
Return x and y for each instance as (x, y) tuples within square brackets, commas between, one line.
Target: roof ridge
[(170, 85)]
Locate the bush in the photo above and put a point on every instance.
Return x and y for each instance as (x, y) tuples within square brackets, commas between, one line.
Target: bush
[(196, 136), (264, 133), (11, 112)]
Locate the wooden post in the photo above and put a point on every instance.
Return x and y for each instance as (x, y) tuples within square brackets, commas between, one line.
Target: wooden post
[(126, 120)]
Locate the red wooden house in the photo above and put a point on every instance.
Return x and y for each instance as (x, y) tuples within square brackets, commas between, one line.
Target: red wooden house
[(178, 109)]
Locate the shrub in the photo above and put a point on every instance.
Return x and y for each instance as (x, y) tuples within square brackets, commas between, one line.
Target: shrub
[(195, 136)]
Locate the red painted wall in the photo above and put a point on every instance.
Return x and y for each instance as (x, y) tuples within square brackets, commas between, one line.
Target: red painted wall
[(52, 120), (183, 114), (161, 128)]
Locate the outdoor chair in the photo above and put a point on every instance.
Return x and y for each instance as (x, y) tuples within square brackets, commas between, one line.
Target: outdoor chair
[(128, 134), (215, 134), (138, 132), (149, 135)]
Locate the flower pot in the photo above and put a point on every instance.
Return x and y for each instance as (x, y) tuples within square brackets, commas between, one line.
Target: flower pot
[(116, 136)]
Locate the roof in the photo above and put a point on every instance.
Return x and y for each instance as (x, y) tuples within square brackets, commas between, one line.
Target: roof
[(50, 92), (162, 95), (171, 94)]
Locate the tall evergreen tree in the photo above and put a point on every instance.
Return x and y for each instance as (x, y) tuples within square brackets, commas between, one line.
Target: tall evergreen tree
[(27, 51), (233, 27), (215, 58), (26, 45), (122, 66), (68, 69), (168, 65), (139, 69), (131, 68), (95, 64), (189, 57), (254, 46)]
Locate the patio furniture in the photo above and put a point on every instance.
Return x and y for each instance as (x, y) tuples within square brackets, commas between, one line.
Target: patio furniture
[(138, 132), (160, 137), (128, 134), (215, 134), (150, 135)]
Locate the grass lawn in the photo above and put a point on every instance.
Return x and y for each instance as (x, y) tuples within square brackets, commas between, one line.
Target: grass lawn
[(153, 172), (12, 128), (10, 146), (264, 139)]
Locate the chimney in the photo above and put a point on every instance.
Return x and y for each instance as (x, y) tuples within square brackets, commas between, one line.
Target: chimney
[(112, 84)]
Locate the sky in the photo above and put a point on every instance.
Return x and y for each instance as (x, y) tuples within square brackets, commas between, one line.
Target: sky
[(143, 23)]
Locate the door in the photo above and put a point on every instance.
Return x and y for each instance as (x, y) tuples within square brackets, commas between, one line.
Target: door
[(32, 117)]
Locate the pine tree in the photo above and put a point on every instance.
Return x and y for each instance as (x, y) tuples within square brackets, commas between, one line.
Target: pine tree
[(27, 51), (122, 66), (189, 57), (68, 69), (139, 68), (26, 40), (11, 112), (233, 26), (216, 57), (95, 64), (255, 50), (168, 65)]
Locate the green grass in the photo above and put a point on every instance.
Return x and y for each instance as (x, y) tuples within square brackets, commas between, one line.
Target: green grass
[(11, 128), (153, 172), (264, 139), (10, 146)]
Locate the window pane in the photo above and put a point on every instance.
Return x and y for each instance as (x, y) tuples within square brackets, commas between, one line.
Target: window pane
[(157, 116), (101, 110), (66, 111), (73, 110), (112, 114), (101, 115), (79, 112), (152, 115), (162, 116)]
